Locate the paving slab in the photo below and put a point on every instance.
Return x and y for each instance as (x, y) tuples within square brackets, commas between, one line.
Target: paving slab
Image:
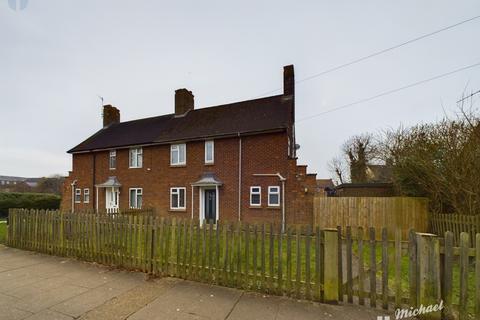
[(131, 301), (87, 301), (49, 315), (191, 300)]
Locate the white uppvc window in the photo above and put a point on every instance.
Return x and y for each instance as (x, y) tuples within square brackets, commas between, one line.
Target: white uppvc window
[(86, 195), (78, 195), (136, 198), (177, 198), (112, 161), (255, 196), (273, 196), (209, 151), (178, 154), (136, 158)]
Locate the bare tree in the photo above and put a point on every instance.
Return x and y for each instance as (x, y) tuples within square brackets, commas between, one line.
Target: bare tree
[(339, 170)]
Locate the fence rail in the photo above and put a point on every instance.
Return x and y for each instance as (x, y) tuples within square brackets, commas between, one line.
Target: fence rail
[(342, 265)]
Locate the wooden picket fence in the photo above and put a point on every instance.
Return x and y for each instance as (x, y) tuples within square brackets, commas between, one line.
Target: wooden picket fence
[(457, 223), (341, 265)]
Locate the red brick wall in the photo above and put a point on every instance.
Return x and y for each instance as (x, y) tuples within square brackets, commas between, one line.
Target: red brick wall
[(261, 154)]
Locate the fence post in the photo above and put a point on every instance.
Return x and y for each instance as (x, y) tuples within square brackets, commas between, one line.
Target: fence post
[(464, 246), (477, 275), (428, 274), (330, 268)]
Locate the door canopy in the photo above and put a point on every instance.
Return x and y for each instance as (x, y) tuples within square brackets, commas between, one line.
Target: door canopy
[(206, 180), (112, 182)]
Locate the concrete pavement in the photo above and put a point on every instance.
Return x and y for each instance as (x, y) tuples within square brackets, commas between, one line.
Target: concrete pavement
[(35, 286)]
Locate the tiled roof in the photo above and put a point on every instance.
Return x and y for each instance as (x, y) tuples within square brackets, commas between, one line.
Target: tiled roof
[(259, 115)]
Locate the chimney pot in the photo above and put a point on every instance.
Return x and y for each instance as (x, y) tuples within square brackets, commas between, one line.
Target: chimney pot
[(184, 101), (111, 115)]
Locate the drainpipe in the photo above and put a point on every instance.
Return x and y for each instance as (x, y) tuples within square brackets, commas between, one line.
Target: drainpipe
[(239, 177), (96, 198), (282, 180), (73, 195), (94, 190), (192, 200)]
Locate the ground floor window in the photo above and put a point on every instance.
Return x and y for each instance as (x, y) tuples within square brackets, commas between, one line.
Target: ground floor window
[(78, 195), (274, 196), (136, 198), (255, 196), (86, 195), (177, 198)]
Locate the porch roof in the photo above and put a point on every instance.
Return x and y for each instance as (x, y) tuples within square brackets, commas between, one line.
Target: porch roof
[(207, 179), (112, 182)]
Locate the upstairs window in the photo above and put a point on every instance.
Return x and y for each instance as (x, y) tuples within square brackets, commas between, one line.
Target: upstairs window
[(112, 161), (209, 151), (178, 154), (86, 195), (78, 195), (136, 196), (177, 198), (136, 158), (273, 196), (255, 196)]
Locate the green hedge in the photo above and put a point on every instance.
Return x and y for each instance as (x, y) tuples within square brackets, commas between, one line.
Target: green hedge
[(28, 201)]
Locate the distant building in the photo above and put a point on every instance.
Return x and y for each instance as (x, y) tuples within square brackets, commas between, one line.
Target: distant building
[(13, 183), (325, 187), (365, 190)]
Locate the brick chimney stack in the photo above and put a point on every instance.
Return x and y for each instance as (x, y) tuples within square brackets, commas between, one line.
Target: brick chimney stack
[(288, 80), (183, 101), (111, 115)]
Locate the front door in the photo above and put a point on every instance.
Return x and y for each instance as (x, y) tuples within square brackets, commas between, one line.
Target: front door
[(111, 199), (211, 205)]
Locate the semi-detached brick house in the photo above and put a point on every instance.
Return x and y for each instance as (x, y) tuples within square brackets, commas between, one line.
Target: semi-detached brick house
[(230, 162)]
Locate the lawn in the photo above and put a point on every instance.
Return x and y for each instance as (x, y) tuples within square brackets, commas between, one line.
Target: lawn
[(3, 231), (404, 278)]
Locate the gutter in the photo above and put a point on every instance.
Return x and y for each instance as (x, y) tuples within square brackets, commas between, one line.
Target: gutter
[(147, 144)]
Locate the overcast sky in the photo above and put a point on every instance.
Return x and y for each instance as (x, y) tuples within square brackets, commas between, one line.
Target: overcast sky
[(56, 56)]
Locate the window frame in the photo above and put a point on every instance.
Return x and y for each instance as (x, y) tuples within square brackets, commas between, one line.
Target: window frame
[(112, 155), (86, 195), (176, 190), (273, 193), (176, 148), (213, 152), (78, 193), (259, 193), (137, 193), (138, 155)]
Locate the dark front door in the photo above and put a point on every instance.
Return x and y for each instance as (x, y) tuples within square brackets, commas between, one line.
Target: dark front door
[(210, 205)]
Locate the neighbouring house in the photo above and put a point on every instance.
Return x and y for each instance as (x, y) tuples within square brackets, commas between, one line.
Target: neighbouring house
[(365, 190), (230, 162), (325, 187), (379, 173)]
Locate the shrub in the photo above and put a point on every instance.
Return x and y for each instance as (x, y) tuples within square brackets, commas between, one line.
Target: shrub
[(27, 201)]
